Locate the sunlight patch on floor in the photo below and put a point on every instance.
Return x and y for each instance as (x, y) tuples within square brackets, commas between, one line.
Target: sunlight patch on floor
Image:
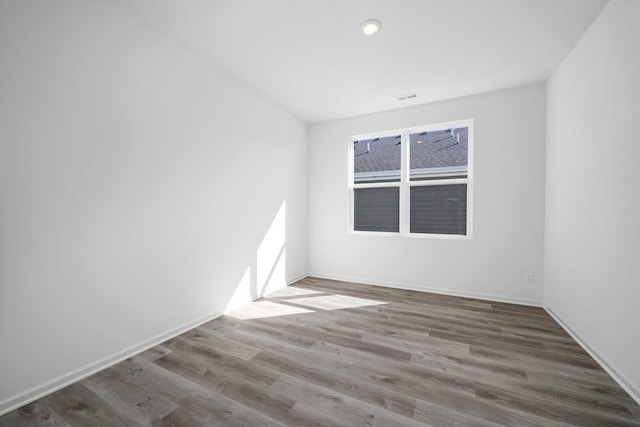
[(290, 291), (336, 302), (262, 309)]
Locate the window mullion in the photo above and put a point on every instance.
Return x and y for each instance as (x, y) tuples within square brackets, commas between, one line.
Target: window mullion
[(377, 185), (434, 182), (404, 183)]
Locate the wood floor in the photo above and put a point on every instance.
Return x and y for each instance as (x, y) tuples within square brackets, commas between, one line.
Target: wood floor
[(333, 353)]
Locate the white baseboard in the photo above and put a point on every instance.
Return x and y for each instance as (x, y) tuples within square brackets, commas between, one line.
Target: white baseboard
[(64, 380), (409, 287), (626, 386)]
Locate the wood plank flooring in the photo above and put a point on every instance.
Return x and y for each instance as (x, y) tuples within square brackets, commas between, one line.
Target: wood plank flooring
[(324, 353)]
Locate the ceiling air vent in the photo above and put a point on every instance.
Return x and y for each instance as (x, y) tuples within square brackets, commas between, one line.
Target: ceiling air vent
[(405, 97)]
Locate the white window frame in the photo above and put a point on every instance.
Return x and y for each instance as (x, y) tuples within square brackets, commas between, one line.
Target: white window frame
[(405, 184)]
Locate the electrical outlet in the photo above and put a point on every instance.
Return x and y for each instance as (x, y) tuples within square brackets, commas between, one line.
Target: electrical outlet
[(330, 259), (528, 278)]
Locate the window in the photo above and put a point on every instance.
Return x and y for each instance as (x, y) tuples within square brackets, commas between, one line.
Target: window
[(413, 182)]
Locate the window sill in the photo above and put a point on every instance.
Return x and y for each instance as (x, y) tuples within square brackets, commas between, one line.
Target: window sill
[(411, 235)]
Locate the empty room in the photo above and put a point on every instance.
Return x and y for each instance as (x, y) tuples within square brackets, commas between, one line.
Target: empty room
[(319, 212)]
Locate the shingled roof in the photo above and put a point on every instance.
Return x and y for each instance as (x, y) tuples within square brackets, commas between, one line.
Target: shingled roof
[(436, 150)]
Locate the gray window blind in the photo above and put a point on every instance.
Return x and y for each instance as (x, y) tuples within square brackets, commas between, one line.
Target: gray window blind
[(376, 209), (439, 209)]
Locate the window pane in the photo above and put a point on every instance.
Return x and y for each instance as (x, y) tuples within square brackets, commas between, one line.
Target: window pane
[(376, 209), (439, 209), (439, 154), (377, 159)]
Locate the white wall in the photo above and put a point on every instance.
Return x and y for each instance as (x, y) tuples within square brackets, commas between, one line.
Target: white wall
[(508, 203), (592, 194), (137, 186)]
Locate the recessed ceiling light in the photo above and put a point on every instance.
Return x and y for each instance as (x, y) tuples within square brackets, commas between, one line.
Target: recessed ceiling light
[(371, 26)]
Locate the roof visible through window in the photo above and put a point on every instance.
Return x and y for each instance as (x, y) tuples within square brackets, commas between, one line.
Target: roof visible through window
[(431, 155)]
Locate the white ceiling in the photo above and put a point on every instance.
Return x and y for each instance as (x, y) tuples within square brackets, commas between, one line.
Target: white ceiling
[(310, 57)]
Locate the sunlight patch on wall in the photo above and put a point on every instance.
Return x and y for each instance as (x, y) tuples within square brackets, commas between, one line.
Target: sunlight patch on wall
[(271, 255), (242, 294)]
